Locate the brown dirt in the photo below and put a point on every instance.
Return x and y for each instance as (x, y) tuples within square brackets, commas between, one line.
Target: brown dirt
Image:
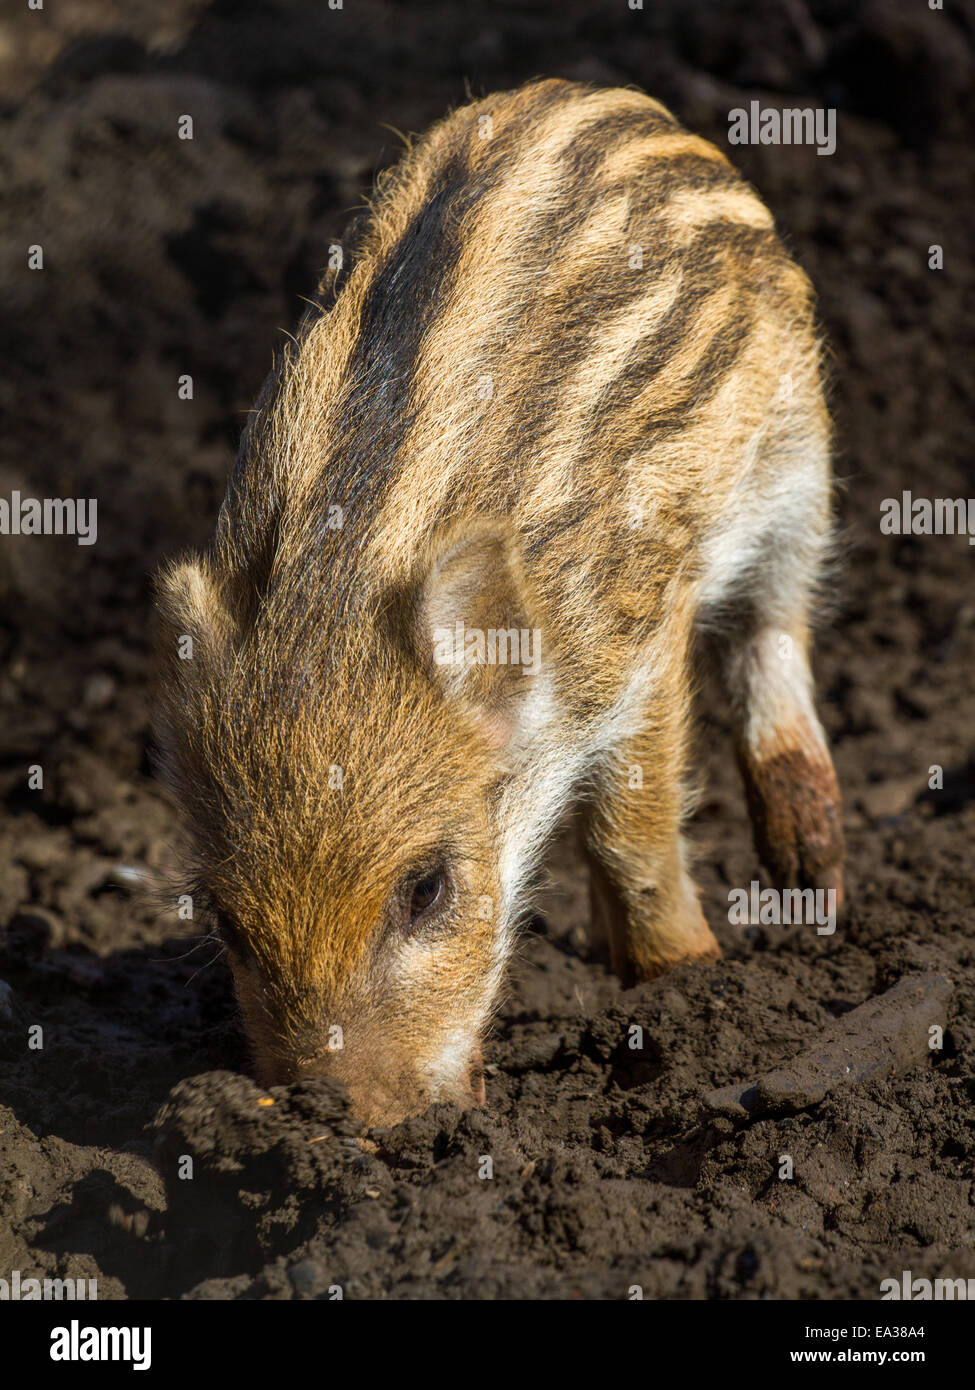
[(164, 257)]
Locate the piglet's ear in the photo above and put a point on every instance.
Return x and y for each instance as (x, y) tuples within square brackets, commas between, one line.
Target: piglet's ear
[(193, 620), (479, 632), (194, 633)]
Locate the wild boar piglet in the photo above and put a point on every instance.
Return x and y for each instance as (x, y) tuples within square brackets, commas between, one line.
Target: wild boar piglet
[(556, 428)]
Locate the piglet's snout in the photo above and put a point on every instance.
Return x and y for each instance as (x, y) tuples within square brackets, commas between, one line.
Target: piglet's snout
[(380, 1095)]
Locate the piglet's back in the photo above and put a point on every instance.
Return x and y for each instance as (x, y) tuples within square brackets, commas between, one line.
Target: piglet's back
[(557, 293)]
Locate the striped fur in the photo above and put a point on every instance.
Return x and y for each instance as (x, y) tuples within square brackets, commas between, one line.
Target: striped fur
[(567, 380)]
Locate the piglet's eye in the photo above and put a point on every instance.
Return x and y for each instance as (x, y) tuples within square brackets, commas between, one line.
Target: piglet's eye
[(427, 892)]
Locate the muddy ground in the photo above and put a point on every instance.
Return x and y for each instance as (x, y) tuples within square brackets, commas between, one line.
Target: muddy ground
[(164, 257)]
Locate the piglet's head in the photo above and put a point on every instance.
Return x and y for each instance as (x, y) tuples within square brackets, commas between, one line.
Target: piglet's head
[(351, 775)]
